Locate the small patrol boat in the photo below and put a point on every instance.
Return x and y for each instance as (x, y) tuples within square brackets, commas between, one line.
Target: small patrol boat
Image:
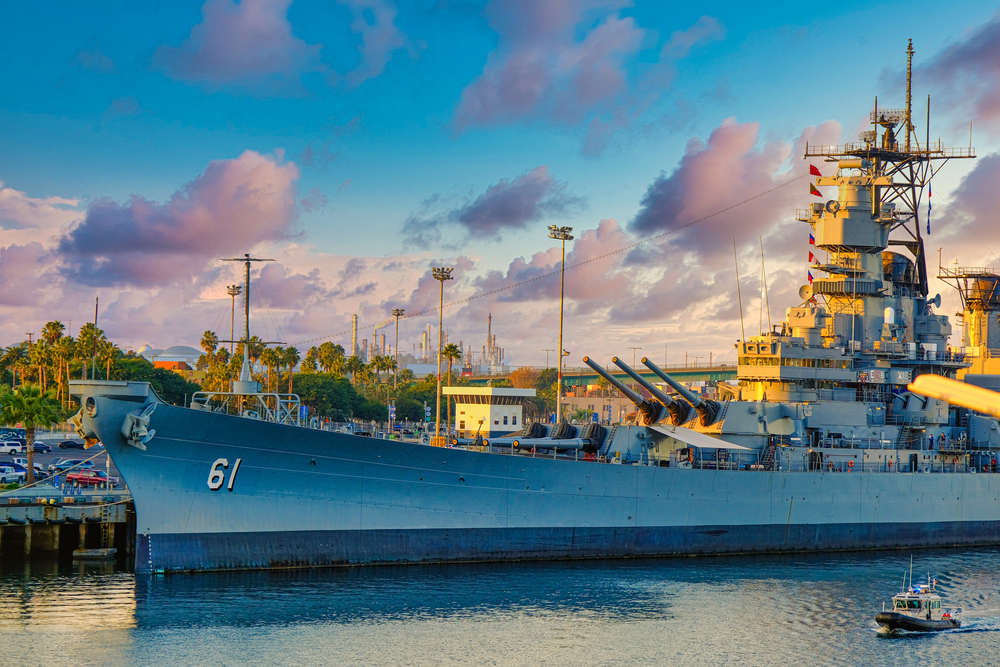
[(917, 608)]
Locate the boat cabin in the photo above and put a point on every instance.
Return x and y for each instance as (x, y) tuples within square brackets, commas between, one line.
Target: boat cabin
[(920, 601)]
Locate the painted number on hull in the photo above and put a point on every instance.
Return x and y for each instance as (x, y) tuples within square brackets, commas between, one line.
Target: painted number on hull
[(217, 475)]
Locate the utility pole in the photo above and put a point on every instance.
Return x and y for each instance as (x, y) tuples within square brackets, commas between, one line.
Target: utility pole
[(561, 234), (546, 351), (234, 291), (398, 312), (93, 365), (440, 274), (633, 354)]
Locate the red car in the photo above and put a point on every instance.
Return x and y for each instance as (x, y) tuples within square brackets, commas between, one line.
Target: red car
[(90, 478)]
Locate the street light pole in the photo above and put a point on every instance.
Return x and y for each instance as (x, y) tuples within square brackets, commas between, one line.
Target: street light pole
[(395, 373), (546, 351), (560, 234), (440, 274), (633, 354)]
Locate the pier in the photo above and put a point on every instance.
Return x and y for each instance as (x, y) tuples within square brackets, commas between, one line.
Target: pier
[(48, 522)]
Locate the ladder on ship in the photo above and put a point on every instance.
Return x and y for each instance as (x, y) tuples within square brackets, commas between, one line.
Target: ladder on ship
[(722, 413), (904, 434), (766, 456), (611, 437)]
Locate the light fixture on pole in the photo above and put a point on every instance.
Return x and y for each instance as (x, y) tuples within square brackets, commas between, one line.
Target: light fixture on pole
[(234, 291), (441, 274), (561, 234), (633, 354), (546, 351), (395, 373)]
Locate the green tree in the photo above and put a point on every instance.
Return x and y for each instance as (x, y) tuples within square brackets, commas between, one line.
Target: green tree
[(269, 357), (291, 357), (353, 365), (15, 357), (209, 342), (108, 353), (52, 331), (311, 363), (29, 406), (451, 352)]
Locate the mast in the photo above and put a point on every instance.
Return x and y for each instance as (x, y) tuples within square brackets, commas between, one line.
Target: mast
[(246, 259)]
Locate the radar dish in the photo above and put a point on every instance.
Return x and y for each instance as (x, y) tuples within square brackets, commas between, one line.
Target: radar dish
[(833, 206), (936, 301), (868, 136), (806, 292)]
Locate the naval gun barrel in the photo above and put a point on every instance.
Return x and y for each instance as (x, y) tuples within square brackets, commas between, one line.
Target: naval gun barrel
[(680, 412), (651, 412), (708, 411)]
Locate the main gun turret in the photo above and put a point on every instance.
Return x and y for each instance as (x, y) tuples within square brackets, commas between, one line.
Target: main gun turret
[(651, 411), (680, 412), (708, 411)]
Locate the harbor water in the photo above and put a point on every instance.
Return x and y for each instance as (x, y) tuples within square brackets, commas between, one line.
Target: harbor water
[(815, 610)]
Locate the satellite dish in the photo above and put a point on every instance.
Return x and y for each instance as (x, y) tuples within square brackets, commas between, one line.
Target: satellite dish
[(833, 206), (936, 301), (806, 292)]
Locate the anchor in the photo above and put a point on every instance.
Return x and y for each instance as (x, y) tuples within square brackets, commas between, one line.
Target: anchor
[(136, 427)]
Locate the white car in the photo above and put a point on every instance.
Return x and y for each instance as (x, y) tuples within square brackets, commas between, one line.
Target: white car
[(24, 462), (9, 475), (11, 447)]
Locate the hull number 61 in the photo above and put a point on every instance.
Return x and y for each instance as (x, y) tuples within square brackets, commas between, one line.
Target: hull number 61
[(217, 475)]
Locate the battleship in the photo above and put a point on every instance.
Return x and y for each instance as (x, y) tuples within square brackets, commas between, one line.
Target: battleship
[(819, 447)]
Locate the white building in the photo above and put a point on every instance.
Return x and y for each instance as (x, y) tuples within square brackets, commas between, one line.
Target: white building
[(489, 411)]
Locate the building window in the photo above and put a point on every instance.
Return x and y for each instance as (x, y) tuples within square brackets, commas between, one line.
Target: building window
[(515, 420), (496, 422), (461, 425), (505, 420)]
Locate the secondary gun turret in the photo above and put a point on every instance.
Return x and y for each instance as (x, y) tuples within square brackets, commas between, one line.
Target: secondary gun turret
[(708, 411), (651, 411), (680, 412)]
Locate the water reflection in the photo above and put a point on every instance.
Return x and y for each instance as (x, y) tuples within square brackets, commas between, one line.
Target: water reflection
[(704, 611)]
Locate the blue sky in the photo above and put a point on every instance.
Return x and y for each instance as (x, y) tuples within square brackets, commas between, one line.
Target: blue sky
[(409, 134)]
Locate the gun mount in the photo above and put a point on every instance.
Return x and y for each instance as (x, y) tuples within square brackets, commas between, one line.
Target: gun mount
[(708, 411), (680, 411), (652, 412)]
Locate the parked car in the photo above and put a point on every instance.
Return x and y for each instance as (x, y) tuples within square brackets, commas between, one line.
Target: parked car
[(61, 465), (71, 444), (11, 447), (9, 475), (18, 461), (41, 448), (87, 477)]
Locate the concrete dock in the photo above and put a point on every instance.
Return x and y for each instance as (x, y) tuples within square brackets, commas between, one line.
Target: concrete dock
[(45, 522)]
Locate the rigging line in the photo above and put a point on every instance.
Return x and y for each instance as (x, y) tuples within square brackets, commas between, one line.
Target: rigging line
[(568, 266), (267, 304)]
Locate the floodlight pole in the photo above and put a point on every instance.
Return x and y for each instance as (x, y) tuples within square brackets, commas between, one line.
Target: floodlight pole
[(441, 274), (561, 234), (395, 373)]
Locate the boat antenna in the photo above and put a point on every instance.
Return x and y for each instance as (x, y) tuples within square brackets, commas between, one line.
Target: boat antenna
[(246, 296), (736, 261), (911, 569), (763, 273)]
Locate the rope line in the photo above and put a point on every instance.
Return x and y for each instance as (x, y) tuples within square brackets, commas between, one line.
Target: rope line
[(567, 268)]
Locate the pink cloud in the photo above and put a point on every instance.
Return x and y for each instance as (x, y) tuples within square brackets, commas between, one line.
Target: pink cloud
[(247, 45), (505, 205), (233, 206), (374, 21), (968, 72)]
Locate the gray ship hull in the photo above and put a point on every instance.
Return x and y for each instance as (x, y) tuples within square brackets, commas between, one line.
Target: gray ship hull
[(307, 498)]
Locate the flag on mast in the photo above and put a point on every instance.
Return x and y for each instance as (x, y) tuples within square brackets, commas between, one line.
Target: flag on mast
[(812, 257), (814, 191), (813, 171), (809, 273), (812, 240)]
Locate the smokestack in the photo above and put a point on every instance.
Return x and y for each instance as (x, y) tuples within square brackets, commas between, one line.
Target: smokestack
[(382, 346), (364, 349), (354, 334)]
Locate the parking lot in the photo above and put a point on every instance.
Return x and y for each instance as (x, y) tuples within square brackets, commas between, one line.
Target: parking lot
[(101, 461)]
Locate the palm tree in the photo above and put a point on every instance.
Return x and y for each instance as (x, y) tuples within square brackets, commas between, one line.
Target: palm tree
[(14, 358), (269, 357), (291, 358), (209, 342), (40, 355), (108, 352), (451, 352), (311, 362), (352, 365), (406, 375), (65, 349), (52, 331), (30, 407)]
